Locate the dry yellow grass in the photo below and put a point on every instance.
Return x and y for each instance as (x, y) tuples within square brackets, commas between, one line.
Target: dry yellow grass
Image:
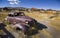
[(55, 22), (39, 17)]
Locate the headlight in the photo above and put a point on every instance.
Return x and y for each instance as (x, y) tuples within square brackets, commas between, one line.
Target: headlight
[(26, 22), (5, 18)]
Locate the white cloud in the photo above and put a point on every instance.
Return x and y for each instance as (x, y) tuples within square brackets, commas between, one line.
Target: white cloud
[(14, 1), (11, 3), (10, 0)]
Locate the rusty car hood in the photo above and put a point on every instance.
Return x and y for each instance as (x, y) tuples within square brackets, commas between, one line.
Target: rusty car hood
[(24, 18)]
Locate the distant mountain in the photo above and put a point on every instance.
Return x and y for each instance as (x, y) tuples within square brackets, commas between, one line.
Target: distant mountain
[(24, 8)]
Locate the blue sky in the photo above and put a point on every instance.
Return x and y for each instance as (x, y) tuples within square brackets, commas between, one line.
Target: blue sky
[(45, 4)]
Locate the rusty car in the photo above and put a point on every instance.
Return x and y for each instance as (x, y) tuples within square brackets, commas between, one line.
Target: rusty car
[(19, 20)]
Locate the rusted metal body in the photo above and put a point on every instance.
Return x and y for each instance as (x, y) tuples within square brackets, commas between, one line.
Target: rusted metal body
[(20, 21)]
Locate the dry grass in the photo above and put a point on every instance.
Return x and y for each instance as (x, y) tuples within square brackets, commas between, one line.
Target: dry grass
[(39, 17), (55, 22)]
